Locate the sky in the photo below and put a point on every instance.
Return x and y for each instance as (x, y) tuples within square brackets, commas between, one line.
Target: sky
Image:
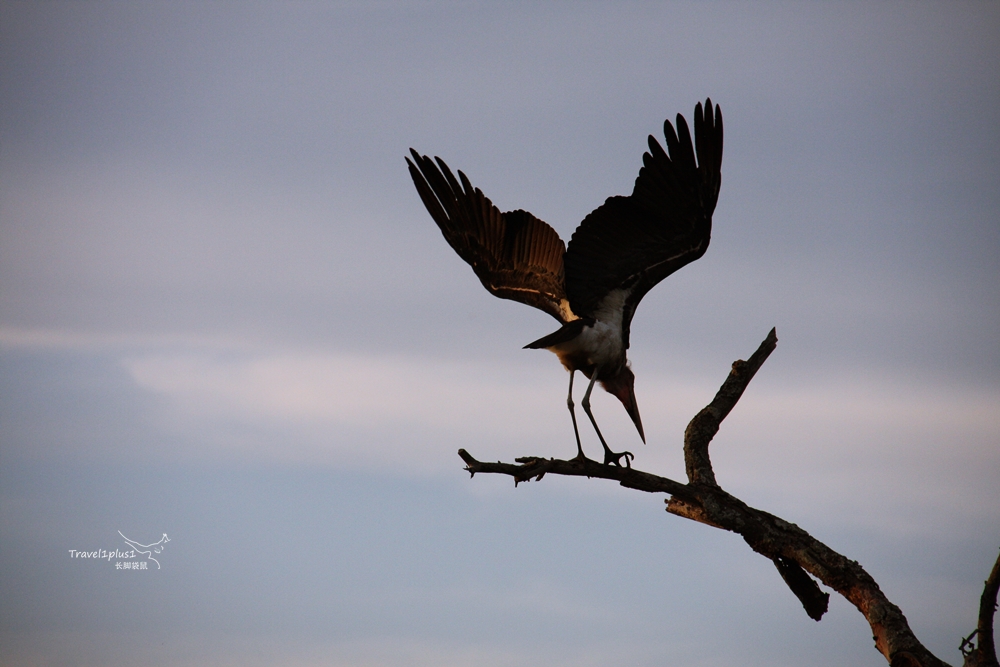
[(225, 316)]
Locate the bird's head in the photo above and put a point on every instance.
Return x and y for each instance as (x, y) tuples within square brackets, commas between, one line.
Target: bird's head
[(622, 385)]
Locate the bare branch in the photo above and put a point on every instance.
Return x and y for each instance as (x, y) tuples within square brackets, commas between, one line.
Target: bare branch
[(815, 601), (793, 551), (985, 652), (706, 423), (536, 467)]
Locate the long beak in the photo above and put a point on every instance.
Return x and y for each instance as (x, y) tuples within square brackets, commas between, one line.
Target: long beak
[(633, 411)]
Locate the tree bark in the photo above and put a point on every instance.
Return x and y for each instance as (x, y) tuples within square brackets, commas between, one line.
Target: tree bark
[(795, 553)]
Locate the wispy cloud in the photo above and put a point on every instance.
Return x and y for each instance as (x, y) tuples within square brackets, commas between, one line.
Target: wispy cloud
[(35, 338)]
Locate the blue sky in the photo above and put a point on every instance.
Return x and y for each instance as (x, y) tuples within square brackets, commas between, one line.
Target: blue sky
[(225, 315)]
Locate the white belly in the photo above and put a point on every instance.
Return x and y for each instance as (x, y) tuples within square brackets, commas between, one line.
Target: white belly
[(597, 346), (602, 343)]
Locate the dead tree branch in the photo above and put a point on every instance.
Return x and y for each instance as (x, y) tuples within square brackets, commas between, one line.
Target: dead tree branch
[(984, 654), (795, 553)]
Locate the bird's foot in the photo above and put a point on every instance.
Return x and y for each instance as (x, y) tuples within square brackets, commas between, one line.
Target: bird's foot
[(616, 458)]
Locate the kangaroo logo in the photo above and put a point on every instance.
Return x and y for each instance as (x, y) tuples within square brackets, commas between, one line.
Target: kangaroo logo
[(148, 549)]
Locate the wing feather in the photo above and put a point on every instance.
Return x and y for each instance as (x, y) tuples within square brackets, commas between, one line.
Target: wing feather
[(632, 243), (514, 254)]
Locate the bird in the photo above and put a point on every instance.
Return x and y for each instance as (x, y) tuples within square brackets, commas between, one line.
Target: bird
[(617, 254)]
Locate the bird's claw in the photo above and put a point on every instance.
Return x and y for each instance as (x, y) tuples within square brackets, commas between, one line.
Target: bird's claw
[(616, 457)]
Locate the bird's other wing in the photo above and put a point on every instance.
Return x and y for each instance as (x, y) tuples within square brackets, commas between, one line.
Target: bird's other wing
[(629, 244), (514, 254)]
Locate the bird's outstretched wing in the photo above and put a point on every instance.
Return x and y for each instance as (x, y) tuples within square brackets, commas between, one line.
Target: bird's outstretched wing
[(632, 243), (514, 254)]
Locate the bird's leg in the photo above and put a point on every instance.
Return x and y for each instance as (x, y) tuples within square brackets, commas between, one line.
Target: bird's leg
[(572, 414), (609, 456)]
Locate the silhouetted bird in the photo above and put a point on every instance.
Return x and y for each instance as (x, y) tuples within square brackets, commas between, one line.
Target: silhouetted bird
[(616, 255)]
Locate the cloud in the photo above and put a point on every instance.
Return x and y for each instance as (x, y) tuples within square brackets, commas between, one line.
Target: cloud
[(826, 434), (24, 338), (870, 445), (336, 388), (852, 441)]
